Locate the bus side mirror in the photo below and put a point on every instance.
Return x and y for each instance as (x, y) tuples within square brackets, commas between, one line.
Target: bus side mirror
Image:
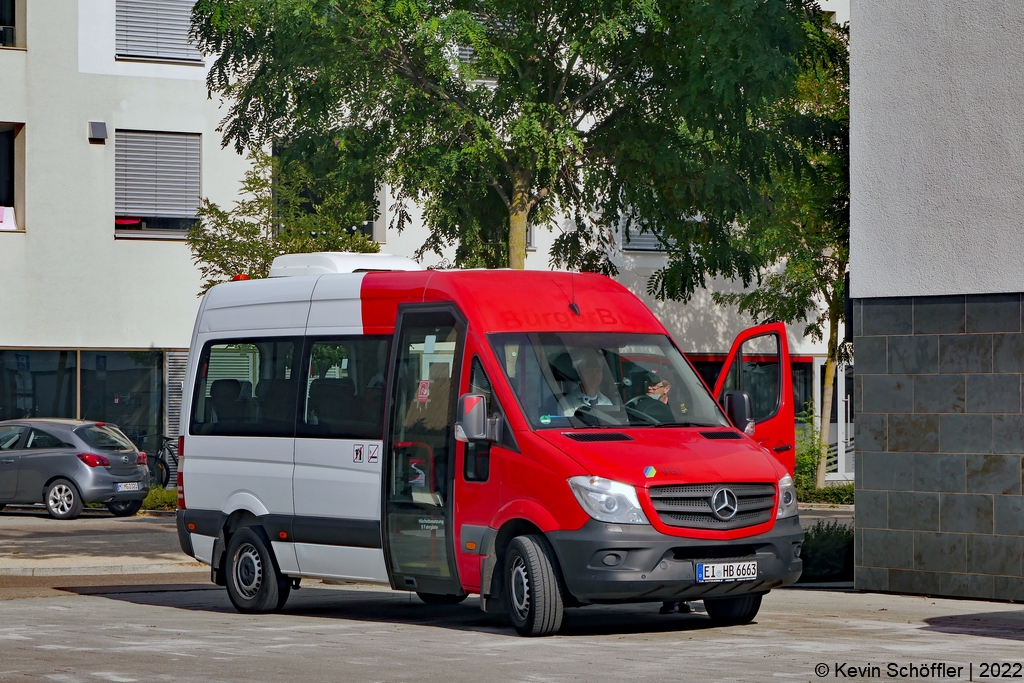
[(740, 411), (473, 424)]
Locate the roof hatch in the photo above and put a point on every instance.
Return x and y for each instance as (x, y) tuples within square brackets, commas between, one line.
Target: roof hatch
[(327, 262)]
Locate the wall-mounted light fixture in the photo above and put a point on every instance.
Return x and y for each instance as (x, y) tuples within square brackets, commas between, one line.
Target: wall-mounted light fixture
[(97, 133)]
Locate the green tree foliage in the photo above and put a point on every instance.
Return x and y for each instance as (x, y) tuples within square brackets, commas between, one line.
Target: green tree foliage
[(284, 209), (800, 232), (495, 115)]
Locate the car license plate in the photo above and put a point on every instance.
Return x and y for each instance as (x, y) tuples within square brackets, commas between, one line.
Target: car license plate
[(127, 486), (726, 571)]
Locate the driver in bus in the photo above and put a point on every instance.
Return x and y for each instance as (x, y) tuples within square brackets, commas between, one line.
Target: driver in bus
[(654, 401), (590, 367)]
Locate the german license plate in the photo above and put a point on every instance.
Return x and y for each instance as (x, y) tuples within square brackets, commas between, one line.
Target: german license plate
[(726, 571), (127, 486)]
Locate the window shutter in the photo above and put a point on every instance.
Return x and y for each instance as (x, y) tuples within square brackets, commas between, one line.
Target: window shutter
[(157, 174), (155, 29), (646, 241)]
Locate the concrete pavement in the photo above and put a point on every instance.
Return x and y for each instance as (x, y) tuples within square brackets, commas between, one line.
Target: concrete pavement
[(34, 544), (362, 633)]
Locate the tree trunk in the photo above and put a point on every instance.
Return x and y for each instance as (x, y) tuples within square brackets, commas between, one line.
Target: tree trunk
[(826, 396), (518, 220)]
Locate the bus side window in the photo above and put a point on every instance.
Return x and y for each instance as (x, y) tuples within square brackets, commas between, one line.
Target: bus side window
[(477, 465)]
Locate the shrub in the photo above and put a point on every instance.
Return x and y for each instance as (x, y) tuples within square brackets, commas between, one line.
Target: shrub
[(833, 495), (827, 553), (161, 499)]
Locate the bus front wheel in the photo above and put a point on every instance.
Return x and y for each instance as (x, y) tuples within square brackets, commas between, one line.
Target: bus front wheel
[(534, 586), (733, 611)]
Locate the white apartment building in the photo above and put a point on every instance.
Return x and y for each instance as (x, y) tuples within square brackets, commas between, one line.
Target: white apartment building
[(107, 141)]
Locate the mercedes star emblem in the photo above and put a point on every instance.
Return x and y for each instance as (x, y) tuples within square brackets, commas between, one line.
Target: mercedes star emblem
[(724, 504)]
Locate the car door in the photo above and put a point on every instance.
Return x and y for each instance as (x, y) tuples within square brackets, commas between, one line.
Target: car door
[(11, 437), (43, 456), (759, 364)]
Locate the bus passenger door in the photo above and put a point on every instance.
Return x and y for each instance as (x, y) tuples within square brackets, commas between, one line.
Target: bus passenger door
[(759, 364), (420, 444)]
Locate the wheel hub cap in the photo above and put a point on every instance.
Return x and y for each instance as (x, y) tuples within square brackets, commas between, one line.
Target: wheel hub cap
[(248, 574), (61, 499), (519, 589)]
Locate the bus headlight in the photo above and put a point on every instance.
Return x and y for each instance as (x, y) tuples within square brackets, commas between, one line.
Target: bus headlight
[(787, 498), (608, 501)]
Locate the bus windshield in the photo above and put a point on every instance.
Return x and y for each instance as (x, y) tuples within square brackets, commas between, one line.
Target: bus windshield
[(586, 380)]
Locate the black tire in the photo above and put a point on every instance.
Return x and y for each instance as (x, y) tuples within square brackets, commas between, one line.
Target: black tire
[(533, 586), (62, 499), (124, 508), (254, 582), (733, 611), (437, 599), (2, 506), (160, 475)]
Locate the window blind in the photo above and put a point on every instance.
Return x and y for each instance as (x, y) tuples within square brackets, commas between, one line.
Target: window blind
[(157, 174), (155, 29), (646, 241)]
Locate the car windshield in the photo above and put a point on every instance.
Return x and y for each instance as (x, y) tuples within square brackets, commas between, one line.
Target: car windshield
[(105, 438), (579, 380)]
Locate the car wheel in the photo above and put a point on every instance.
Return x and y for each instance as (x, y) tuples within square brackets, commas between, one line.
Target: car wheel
[(733, 611), (534, 586), (62, 500), (254, 582), (438, 599), (124, 508)]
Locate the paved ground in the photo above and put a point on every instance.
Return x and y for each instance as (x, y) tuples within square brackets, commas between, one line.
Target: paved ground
[(358, 633), (34, 544), (165, 624)]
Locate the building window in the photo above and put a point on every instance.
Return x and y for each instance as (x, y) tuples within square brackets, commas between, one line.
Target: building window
[(158, 181), (637, 241), (155, 30), (125, 388), (38, 384), (8, 33), (11, 175)]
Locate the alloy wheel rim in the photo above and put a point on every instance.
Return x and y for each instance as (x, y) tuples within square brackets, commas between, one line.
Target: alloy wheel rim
[(519, 588), (61, 499), (248, 574)]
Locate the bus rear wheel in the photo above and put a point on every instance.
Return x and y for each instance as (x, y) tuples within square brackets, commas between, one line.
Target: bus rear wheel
[(254, 582), (733, 611), (534, 586)]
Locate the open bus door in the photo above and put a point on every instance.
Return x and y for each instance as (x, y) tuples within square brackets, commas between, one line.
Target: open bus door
[(759, 364)]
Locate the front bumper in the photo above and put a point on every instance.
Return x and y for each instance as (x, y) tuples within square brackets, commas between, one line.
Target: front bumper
[(652, 566), (99, 486)]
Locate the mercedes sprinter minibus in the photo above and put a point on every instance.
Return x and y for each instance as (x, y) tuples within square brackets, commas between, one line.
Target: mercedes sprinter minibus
[(532, 437)]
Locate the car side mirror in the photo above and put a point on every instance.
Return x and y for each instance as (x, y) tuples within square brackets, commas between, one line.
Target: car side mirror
[(473, 423), (740, 411)]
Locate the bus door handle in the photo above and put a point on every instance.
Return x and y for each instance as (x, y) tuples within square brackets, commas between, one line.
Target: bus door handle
[(783, 448)]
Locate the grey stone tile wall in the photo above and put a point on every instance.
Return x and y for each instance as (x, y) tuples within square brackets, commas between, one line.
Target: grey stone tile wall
[(940, 445)]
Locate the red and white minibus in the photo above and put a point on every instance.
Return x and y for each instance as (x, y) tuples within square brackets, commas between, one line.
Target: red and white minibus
[(532, 437)]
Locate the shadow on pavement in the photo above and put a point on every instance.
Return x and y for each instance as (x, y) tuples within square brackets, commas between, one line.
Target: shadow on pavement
[(1006, 625), (407, 609)]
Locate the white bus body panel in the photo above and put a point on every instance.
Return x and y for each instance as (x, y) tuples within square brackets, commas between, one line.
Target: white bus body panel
[(342, 562)]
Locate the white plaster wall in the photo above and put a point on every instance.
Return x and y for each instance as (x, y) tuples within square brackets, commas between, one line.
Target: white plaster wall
[(937, 146), (65, 281)]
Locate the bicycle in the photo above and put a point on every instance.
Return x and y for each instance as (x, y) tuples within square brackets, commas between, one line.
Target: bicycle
[(159, 469)]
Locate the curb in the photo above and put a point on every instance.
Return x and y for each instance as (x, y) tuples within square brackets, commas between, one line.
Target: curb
[(114, 569)]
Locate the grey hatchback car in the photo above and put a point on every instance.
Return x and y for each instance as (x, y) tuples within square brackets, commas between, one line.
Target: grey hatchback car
[(68, 463)]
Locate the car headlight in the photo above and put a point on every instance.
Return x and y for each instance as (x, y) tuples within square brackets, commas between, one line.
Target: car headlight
[(787, 498), (608, 501)]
